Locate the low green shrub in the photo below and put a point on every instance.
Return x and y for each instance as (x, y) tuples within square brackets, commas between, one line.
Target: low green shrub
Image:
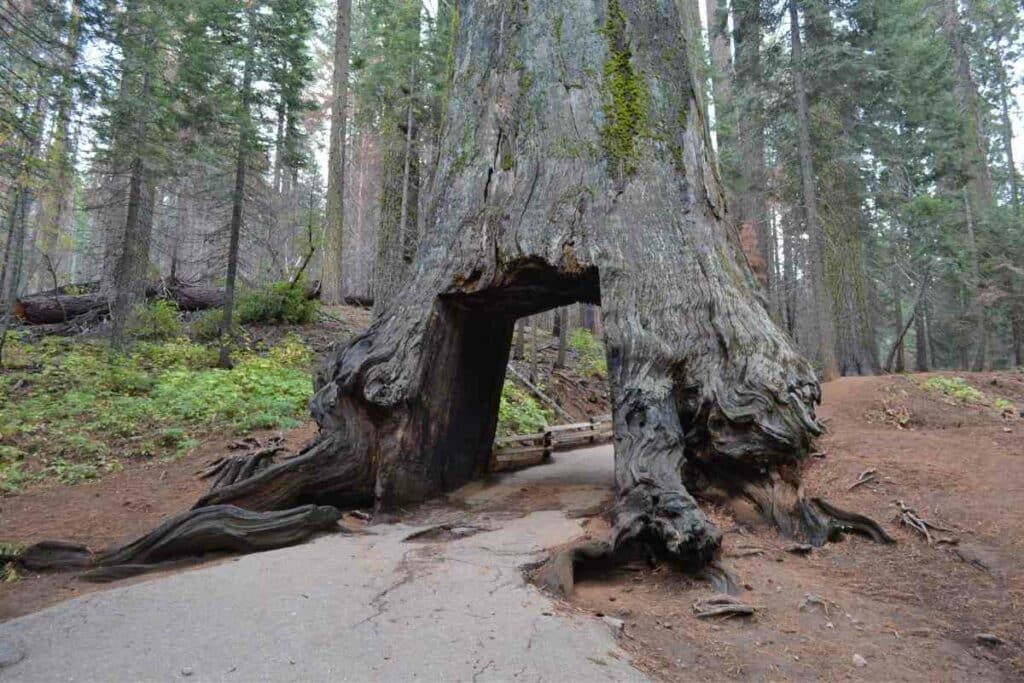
[(280, 303), (590, 350), (205, 327), (157, 321), (955, 387), (1005, 406), (260, 392), (519, 412)]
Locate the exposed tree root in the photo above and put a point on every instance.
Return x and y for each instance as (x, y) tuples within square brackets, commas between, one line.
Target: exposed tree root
[(679, 533), (325, 471), (865, 477), (557, 574), (232, 470), (667, 524), (908, 517), (221, 528), (722, 605), (825, 522)]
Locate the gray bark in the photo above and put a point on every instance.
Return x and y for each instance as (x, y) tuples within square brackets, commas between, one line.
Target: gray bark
[(548, 194)]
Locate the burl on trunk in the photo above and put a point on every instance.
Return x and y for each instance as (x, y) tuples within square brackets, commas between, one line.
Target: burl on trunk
[(575, 166)]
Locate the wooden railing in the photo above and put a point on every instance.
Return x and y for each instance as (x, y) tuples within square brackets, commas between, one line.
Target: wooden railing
[(526, 450)]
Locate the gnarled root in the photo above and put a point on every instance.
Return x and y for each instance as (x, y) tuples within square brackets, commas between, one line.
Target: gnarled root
[(779, 499), (651, 523), (667, 523), (231, 470), (325, 471), (221, 528), (824, 522)]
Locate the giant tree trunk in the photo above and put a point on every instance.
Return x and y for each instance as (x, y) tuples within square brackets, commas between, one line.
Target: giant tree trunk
[(555, 187)]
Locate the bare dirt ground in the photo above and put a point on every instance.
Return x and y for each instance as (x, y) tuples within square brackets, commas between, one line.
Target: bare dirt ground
[(908, 612), (911, 611)]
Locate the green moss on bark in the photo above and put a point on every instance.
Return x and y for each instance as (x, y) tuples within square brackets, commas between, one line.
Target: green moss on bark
[(626, 99)]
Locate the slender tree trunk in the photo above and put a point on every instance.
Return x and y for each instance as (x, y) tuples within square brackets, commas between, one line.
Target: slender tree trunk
[(534, 349), (520, 347), (563, 337), (55, 217), (976, 308), (333, 280), (978, 197), (721, 67), (897, 359), (789, 282), (921, 363), (408, 219), (237, 206), (1007, 131), (749, 122), (388, 263), (133, 261), (823, 319), (1018, 341), (14, 251)]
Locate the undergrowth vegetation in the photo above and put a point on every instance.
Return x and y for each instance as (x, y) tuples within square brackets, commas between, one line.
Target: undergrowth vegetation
[(954, 387), (590, 351), (520, 413), (158, 321), (280, 303), (74, 411), (957, 388)]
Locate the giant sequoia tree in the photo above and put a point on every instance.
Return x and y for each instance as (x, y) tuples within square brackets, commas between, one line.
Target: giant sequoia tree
[(574, 166)]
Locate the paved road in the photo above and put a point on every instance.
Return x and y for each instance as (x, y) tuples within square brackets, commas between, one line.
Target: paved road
[(361, 608)]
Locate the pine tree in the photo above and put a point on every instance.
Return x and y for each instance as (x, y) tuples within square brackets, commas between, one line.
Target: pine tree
[(333, 282)]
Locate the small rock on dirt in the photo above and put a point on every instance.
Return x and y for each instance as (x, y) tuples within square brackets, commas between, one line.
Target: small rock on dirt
[(859, 661), (186, 672), (989, 639)]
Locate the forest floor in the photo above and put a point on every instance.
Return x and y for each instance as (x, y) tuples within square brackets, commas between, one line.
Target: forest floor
[(912, 611)]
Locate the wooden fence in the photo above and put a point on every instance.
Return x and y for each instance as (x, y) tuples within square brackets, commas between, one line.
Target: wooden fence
[(526, 450)]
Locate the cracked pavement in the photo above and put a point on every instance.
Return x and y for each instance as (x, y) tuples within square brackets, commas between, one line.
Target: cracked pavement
[(368, 607)]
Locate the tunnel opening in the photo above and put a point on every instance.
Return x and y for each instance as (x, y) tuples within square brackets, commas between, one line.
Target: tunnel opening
[(480, 328)]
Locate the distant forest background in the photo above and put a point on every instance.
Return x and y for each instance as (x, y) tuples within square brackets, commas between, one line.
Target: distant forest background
[(867, 147)]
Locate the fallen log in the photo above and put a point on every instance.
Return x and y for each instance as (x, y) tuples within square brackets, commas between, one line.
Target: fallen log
[(57, 308), (51, 308)]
